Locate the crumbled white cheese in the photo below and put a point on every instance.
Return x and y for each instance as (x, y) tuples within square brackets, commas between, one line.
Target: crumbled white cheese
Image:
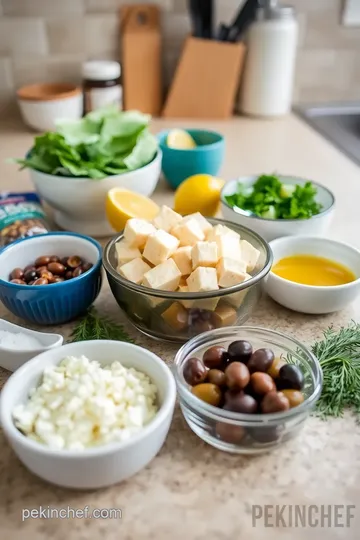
[(80, 404)]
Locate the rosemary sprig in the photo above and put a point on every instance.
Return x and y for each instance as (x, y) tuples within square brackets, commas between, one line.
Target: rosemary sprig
[(95, 326), (339, 357)]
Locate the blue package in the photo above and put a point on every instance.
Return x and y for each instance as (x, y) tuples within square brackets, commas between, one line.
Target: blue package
[(21, 215)]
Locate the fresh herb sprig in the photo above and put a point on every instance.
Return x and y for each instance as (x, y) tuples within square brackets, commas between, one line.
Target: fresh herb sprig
[(269, 198), (95, 326), (339, 357)]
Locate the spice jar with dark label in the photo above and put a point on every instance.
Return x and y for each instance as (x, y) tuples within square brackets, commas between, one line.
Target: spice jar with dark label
[(21, 215), (101, 84)]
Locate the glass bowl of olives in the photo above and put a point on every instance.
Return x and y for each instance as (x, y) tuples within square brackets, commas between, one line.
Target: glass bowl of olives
[(245, 389)]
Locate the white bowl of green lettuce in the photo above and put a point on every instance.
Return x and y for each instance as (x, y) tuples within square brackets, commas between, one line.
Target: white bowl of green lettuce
[(74, 168), (278, 205)]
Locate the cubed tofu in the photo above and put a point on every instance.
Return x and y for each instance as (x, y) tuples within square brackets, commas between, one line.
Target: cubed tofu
[(205, 225), (166, 276), (126, 253), (188, 232), (176, 316), (160, 246), (166, 219), (155, 301), (204, 254), (230, 272), (224, 315), (206, 303), (236, 299), (220, 230), (137, 231), (186, 303), (202, 279), (249, 255), (228, 246), (182, 258), (134, 270)]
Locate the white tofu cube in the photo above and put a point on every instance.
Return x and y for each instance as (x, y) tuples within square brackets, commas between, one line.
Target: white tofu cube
[(182, 258), (134, 270), (202, 279), (137, 231), (155, 301), (205, 225), (166, 219), (126, 253), (186, 303), (160, 246), (249, 255), (237, 298), (228, 246), (230, 272), (188, 232), (206, 303), (204, 254), (220, 230), (166, 276)]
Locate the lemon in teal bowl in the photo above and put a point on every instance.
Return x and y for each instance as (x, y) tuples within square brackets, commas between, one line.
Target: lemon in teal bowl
[(189, 152)]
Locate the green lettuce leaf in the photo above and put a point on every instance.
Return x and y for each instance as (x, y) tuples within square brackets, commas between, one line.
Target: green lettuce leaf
[(143, 152), (103, 143)]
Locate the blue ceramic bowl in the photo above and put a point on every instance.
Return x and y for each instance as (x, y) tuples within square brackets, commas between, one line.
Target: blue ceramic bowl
[(59, 302), (206, 158)]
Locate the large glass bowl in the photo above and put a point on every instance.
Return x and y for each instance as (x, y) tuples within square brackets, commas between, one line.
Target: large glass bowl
[(240, 433), (146, 307)]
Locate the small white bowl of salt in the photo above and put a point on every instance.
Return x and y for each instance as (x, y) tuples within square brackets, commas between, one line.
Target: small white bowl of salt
[(18, 344)]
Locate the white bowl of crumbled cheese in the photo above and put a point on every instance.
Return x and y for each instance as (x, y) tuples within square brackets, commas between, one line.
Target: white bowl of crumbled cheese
[(88, 414)]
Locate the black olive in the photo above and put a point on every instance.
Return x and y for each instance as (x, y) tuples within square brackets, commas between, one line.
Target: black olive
[(261, 360), (240, 402), (240, 351), (291, 376), (30, 275), (194, 371)]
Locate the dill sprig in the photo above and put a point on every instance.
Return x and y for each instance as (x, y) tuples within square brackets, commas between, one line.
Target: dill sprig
[(339, 357), (95, 326)]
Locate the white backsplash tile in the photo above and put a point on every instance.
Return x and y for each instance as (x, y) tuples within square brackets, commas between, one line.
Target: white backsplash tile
[(22, 35), (6, 79), (44, 8), (43, 40)]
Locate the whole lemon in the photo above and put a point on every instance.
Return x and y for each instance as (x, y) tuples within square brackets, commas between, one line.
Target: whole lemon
[(198, 193)]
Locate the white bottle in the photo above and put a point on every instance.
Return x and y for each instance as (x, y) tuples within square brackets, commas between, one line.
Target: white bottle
[(267, 86)]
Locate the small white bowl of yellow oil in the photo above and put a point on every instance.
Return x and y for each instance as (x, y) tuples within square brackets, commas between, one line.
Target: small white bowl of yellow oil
[(313, 275)]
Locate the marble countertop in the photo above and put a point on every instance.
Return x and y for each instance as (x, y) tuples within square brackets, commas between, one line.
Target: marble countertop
[(190, 489)]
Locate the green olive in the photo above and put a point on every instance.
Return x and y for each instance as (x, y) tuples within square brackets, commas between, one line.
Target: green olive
[(208, 392)]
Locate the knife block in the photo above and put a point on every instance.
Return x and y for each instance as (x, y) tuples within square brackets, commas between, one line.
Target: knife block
[(141, 58), (206, 80)]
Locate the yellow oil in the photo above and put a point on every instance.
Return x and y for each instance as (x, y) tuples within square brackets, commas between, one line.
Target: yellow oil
[(313, 270)]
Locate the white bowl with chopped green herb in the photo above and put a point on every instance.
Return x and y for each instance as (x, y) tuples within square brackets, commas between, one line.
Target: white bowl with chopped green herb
[(278, 205), (74, 168)]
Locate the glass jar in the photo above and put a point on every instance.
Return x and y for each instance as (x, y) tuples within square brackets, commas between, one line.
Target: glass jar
[(101, 85)]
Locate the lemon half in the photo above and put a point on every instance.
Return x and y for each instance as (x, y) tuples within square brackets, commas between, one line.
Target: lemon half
[(180, 140), (122, 204)]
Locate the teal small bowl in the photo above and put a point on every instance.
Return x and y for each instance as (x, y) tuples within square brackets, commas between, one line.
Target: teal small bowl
[(206, 158)]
